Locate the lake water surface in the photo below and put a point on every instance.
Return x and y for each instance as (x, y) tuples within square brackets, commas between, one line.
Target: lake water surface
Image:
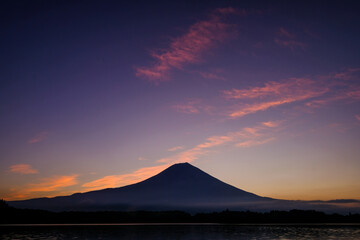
[(180, 231)]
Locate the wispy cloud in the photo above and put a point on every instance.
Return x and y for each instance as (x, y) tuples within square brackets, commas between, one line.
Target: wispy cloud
[(284, 33), (53, 184), (312, 92), (38, 138), (113, 181), (212, 75), (50, 186), (256, 134), (271, 123), (253, 135), (193, 106), (357, 116), (286, 39), (273, 94), (189, 48), (176, 148), (252, 143), (348, 74), (297, 86), (23, 169), (343, 86)]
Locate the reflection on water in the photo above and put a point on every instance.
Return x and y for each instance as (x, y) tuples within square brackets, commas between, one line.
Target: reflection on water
[(181, 232)]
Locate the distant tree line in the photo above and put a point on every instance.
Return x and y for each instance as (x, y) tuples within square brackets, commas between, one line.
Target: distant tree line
[(13, 215)]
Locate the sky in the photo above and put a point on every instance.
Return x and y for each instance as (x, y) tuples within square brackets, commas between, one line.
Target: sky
[(264, 95)]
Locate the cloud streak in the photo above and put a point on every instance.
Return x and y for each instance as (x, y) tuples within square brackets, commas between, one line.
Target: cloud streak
[(113, 181), (194, 106), (49, 186), (286, 39), (23, 169), (189, 48), (273, 94), (176, 148), (38, 138), (258, 135), (250, 136)]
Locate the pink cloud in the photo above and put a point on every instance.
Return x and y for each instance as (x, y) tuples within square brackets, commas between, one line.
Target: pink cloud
[(192, 107), (273, 94), (23, 169), (343, 86), (348, 74), (344, 95), (189, 48), (38, 138), (357, 116), (298, 86)]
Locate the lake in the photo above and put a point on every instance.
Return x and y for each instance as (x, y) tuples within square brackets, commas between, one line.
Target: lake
[(180, 231)]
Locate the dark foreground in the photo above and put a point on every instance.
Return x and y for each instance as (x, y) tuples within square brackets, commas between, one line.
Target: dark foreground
[(10, 215), (181, 231)]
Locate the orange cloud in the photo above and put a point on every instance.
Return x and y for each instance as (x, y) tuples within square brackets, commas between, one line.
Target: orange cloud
[(51, 186), (38, 138), (271, 123), (53, 183), (189, 48), (23, 169), (114, 181), (175, 148), (252, 143)]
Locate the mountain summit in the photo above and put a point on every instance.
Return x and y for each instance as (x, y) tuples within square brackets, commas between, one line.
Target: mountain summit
[(179, 187)]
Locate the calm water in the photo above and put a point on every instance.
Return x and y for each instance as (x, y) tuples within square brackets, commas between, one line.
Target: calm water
[(181, 232)]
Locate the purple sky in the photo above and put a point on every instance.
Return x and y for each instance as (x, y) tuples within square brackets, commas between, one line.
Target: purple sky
[(264, 95)]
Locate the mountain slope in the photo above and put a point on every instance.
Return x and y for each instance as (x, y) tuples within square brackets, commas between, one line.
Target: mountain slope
[(181, 186)]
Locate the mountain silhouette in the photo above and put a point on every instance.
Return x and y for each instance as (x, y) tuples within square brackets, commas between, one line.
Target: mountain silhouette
[(181, 186)]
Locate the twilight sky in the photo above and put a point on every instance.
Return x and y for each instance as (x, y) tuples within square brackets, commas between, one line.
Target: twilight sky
[(264, 95)]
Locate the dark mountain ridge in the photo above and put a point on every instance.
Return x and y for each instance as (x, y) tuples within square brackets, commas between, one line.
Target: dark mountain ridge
[(179, 187)]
